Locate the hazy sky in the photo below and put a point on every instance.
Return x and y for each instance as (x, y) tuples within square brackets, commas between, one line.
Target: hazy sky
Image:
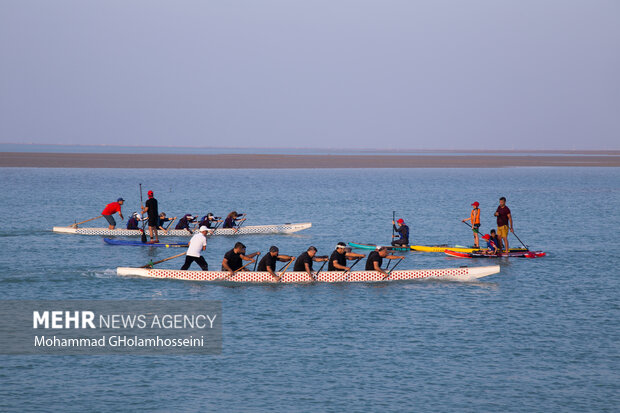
[(539, 74)]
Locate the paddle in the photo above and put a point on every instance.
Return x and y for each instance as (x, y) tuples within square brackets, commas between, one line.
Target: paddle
[(76, 224), (348, 272), (150, 264), (526, 247), (320, 269), (241, 223), (393, 221), (283, 270), (239, 269), (143, 236), (395, 265)]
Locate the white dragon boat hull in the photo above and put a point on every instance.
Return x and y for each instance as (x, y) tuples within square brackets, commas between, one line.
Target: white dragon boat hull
[(448, 274), (254, 229)]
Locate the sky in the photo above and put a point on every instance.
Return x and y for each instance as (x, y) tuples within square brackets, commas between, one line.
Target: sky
[(350, 74)]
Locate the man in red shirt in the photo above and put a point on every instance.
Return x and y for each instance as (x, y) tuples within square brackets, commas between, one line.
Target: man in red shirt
[(111, 209), (503, 219)]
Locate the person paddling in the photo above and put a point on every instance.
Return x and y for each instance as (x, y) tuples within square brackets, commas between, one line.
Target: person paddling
[(233, 259), (268, 263), (475, 222), (134, 221), (209, 219), (185, 221), (233, 220), (197, 244), (504, 218), (150, 207), (162, 221), (403, 232), (110, 209), (305, 259), (375, 260), (338, 259)]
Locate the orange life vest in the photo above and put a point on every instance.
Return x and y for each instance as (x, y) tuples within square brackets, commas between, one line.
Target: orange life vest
[(475, 216)]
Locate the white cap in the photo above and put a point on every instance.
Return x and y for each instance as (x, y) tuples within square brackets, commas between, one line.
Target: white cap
[(203, 228)]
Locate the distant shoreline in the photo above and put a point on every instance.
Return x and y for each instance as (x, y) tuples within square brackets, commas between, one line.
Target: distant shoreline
[(278, 161)]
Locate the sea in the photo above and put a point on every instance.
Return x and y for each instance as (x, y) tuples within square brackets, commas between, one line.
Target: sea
[(542, 335)]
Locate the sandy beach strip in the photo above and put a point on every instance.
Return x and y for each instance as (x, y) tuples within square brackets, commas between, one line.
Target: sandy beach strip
[(259, 161)]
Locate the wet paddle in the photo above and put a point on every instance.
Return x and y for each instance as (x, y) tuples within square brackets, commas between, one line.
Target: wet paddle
[(393, 223), (526, 247), (238, 269), (395, 265), (348, 272), (150, 264), (78, 223)]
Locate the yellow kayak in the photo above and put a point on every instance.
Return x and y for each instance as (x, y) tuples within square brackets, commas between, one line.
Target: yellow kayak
[(442, 248)]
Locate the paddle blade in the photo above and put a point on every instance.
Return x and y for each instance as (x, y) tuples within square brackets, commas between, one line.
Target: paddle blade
[(143, 237)]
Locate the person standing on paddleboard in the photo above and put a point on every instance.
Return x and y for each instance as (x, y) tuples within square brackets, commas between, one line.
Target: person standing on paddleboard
[(503, 219), (475, 222), (111, 209), (403, 231), (375, 260), (197, 244), (338, 259), (150, 207)]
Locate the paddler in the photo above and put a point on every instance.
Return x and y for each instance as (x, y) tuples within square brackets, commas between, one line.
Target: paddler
[(233, 259), (338, 259), (503, 219), (111, 209), (197, 244), (134, 221), (209, 219), (150, 207), (185, 221), (268, 263), (403, 232), (375, 260), (162, 220), (305, 259), (233, 219), (475, 222)]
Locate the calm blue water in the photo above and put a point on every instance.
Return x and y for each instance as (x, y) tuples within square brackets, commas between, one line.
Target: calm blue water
[(540, 336)]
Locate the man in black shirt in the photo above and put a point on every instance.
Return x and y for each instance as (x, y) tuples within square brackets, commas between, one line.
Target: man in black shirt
[(268, 263), (304, 261), (338, 259), (233, 259), (375, 260), (150, 207)]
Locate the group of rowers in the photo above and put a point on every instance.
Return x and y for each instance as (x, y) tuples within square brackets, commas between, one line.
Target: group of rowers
[(233, 259)]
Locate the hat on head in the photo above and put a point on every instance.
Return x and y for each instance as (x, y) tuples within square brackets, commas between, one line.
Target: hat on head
[(476, 204), (203, 229), (401, 221), (486, 236), (341, 245), (210, 215), (120, 199), (150, 193)]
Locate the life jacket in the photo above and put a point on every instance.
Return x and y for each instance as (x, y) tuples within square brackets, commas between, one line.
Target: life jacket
[(475, 216)]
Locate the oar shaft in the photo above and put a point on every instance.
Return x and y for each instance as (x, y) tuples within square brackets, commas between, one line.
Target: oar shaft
[(160, 261), (97, 217)]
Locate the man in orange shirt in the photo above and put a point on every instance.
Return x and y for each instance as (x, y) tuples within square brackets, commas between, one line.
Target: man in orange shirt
[(111, 209)]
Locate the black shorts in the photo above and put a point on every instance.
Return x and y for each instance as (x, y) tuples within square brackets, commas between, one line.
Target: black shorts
[(110, 219), (153, 222)]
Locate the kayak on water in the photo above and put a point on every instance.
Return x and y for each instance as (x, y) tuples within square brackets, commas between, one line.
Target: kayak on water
[(524, 254), (442, 248), (374, 247), (143, 244)]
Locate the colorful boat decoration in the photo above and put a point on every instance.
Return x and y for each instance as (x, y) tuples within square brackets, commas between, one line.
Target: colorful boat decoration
[(446, 274), (244, 230), (374, 247), (480, 254), (442, 248)]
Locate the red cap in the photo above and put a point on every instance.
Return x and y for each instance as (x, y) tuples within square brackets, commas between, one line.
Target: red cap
[(150, 193), (486, 236), (401, 221), (476, 204)]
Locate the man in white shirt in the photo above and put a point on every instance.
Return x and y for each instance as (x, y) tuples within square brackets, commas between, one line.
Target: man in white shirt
[(197, 244)]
